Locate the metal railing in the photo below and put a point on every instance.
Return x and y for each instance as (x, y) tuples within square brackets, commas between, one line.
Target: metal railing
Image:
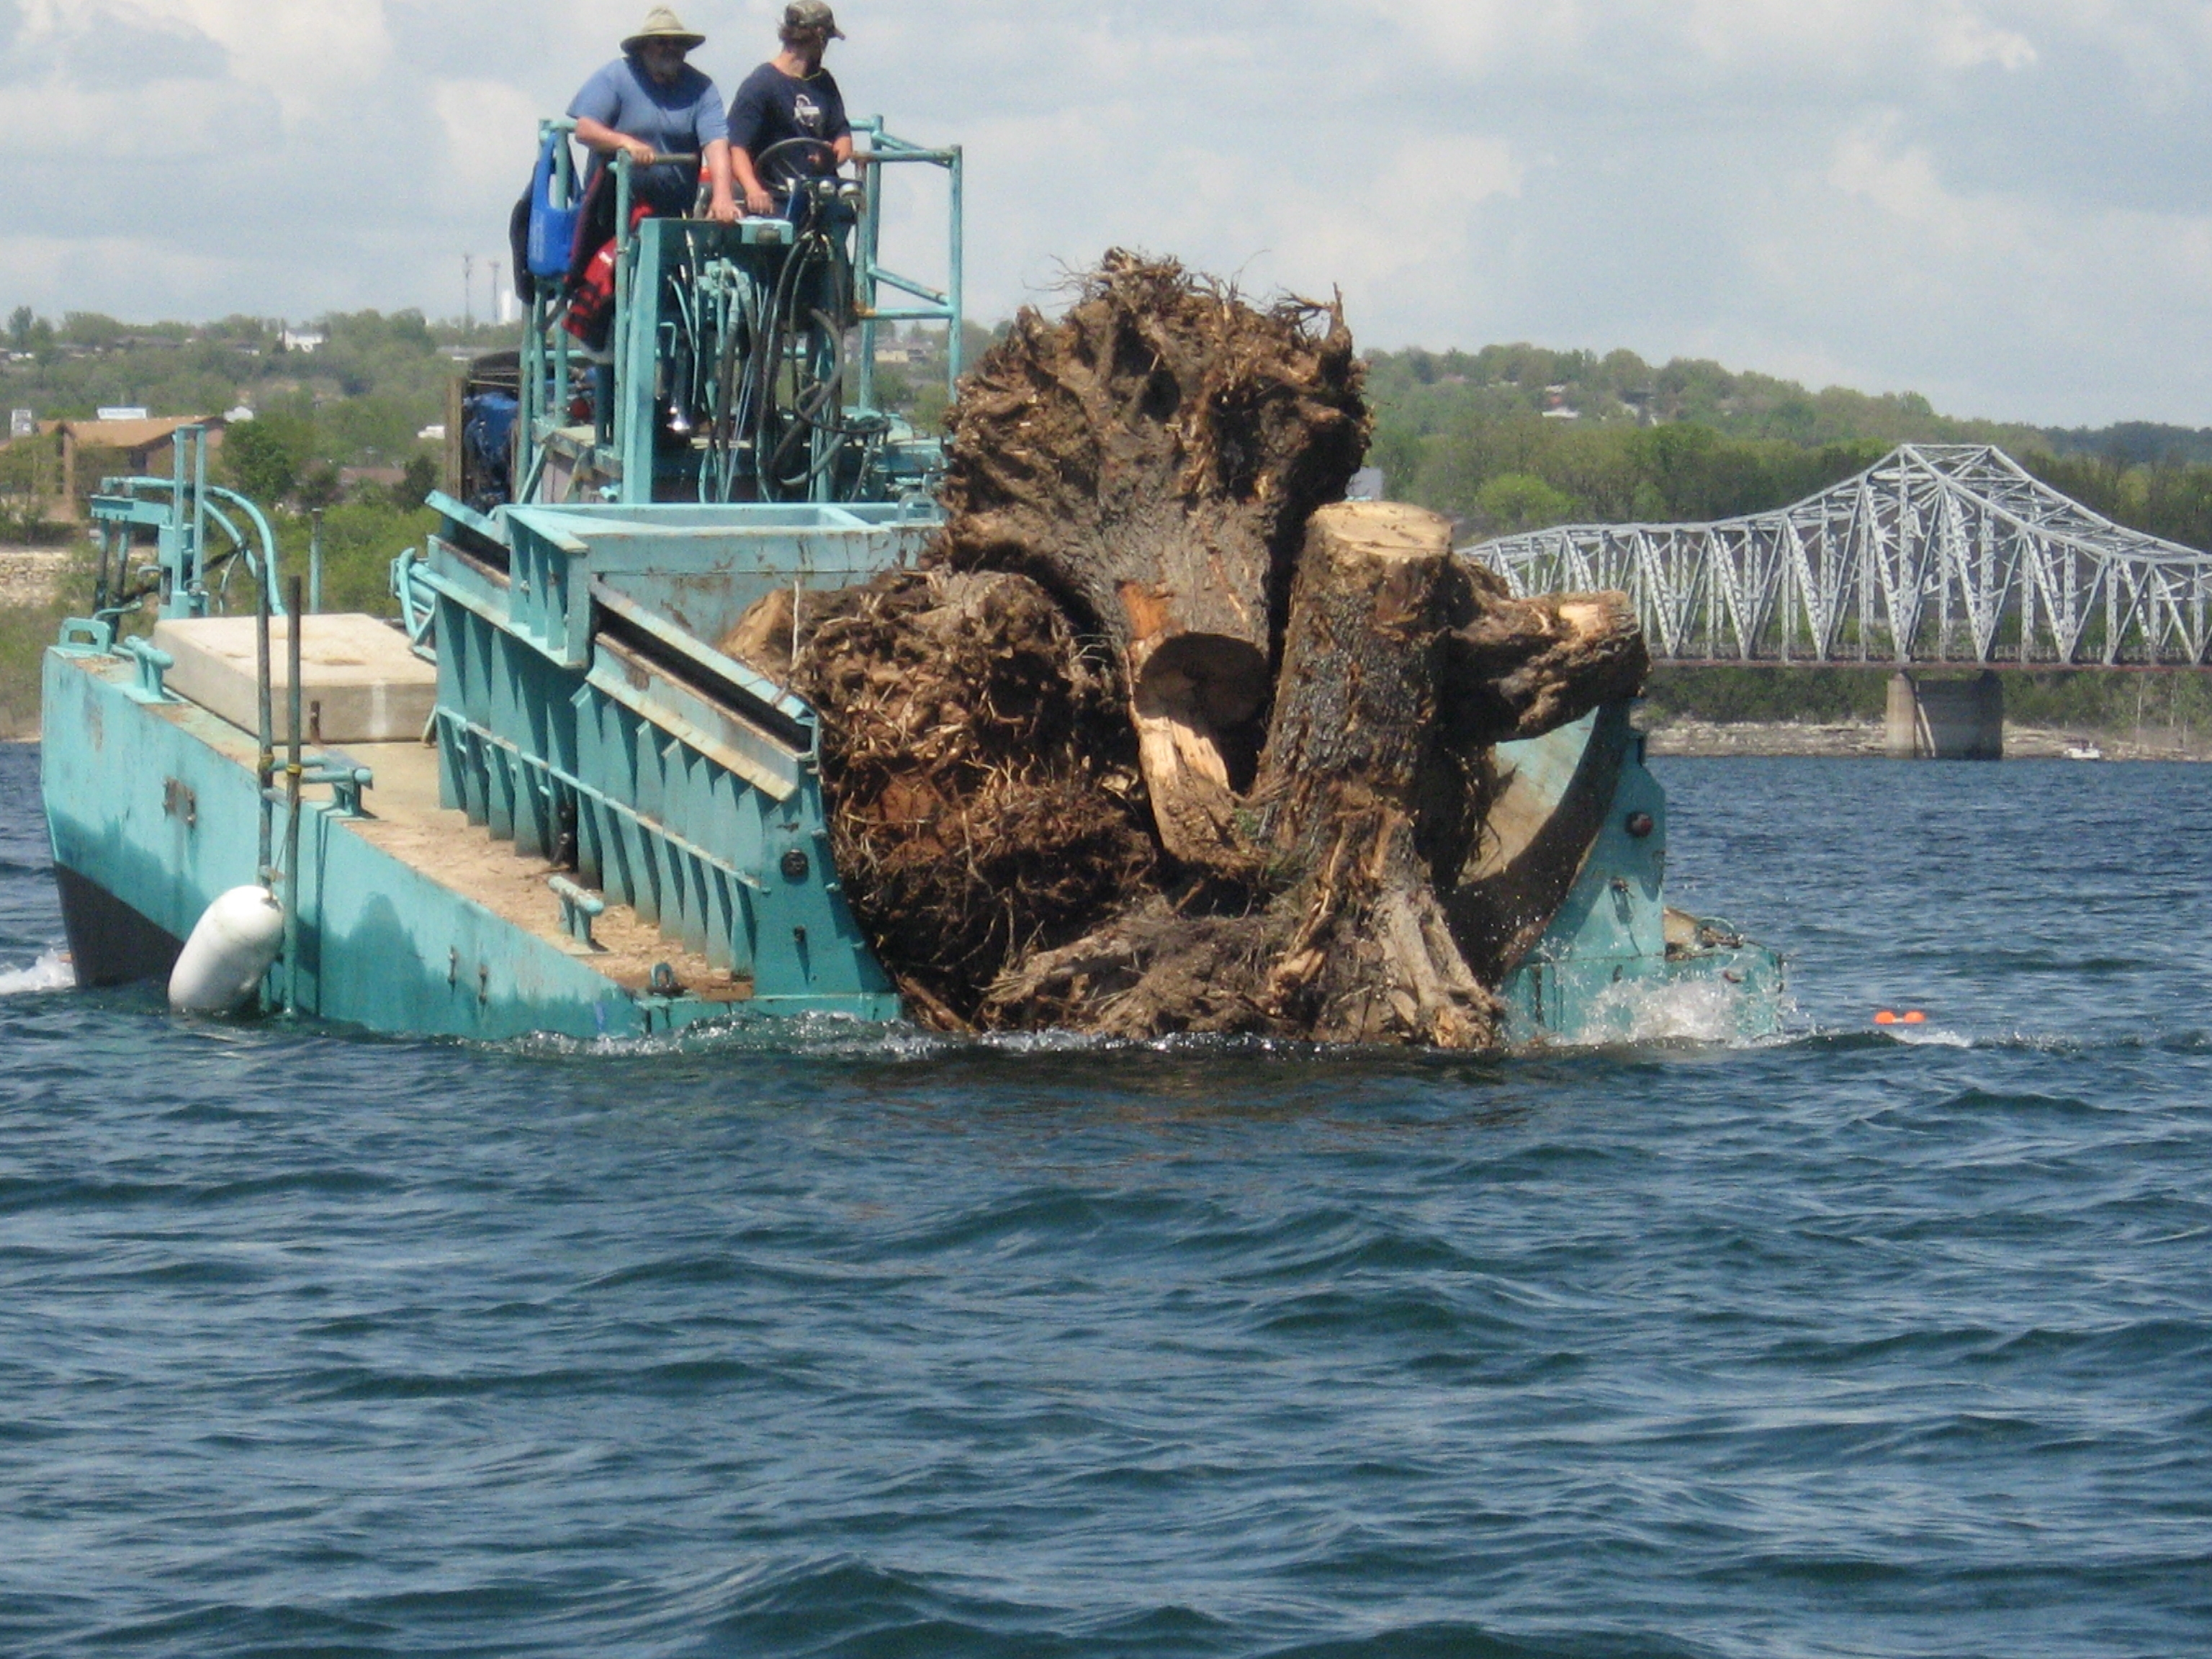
[(1939, 553)]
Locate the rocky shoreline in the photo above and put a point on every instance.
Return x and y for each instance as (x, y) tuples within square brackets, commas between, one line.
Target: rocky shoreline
[(32, 577), (1865, 739)]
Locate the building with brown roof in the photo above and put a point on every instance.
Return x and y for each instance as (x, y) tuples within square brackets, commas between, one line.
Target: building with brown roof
[(145, 445)]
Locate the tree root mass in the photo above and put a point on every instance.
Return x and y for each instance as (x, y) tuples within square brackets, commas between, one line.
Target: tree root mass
[(1169, 737)]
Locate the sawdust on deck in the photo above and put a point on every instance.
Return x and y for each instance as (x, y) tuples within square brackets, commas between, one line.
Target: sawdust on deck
[(440, 843)]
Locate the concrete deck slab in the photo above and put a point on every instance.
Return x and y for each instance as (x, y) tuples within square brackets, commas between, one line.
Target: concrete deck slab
[(359, 681)]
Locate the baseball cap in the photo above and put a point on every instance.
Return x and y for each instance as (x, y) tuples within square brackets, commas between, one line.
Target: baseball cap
[(811, 16)]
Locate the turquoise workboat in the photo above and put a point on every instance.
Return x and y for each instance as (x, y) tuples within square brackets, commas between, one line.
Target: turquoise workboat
[(547, 801)]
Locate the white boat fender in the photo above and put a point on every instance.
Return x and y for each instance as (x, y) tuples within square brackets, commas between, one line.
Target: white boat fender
[(232, 946)]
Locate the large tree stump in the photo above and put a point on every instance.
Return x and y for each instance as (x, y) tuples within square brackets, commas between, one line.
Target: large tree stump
[(1156, 627), (1150, 458), (1353, 944)]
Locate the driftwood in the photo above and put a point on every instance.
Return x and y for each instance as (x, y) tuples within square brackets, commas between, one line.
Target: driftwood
[(1354, 764), (1172, 739), (1519, 668)]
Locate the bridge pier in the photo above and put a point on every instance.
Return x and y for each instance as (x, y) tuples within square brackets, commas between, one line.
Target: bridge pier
[(1945, 719)]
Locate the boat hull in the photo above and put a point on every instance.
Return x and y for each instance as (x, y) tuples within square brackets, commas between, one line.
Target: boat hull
[(1612, 964), (154, 810), (110, 943)]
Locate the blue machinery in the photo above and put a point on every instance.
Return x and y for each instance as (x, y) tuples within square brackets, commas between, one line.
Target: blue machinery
[(608, 825), (583, 716), (179, 510), (740, 362)]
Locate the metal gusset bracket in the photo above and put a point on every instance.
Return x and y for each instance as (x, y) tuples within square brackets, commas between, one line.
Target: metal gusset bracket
[(346, 784), (578, 909)]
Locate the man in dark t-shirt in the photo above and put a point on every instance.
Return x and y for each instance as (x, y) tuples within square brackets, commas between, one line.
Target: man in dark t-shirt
[(787, 120)]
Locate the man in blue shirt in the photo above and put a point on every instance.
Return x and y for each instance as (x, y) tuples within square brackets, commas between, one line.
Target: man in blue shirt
[(650, 102), (790, 102)]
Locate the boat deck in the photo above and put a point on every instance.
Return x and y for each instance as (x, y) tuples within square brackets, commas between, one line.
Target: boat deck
[(409, 824)]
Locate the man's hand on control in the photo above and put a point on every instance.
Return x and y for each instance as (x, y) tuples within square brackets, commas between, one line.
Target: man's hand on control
[(759, 201), (640, 153)]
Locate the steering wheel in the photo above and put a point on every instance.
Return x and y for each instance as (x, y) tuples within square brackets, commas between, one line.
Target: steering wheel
[(781, 161)]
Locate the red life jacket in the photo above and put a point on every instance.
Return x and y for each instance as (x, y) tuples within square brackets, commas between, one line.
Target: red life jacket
[(592, 305)]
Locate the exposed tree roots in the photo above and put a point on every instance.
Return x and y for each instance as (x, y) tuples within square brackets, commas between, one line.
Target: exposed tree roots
[(1167, 741)]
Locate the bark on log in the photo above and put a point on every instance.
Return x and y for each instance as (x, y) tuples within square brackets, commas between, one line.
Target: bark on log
[(1352, 767), (1151, 458), (1520, 667)]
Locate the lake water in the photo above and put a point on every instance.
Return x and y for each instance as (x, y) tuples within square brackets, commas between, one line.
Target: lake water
[(1862, 1343)]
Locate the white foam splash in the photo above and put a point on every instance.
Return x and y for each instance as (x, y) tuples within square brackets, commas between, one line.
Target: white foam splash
[(1934, 1037), (1710, 1010), (51, 972)]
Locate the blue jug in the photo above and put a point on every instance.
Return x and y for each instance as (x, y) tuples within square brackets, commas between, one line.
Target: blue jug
[(552, 229)]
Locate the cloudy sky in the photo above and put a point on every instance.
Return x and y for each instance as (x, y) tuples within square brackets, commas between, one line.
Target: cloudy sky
[(2005, 204)]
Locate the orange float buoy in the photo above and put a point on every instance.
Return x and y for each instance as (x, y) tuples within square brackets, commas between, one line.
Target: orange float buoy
[(1886, 1017), (1914, 1016)]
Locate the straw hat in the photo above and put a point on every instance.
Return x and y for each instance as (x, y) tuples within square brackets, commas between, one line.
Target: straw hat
[(663, 24)]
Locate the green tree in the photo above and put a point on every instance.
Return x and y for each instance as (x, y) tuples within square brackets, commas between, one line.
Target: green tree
[(419, 479), (263, 458), (321, 486), (95, 463), (1514, 502), (29, 470), (91, 328), (930, 406), (20, 323)]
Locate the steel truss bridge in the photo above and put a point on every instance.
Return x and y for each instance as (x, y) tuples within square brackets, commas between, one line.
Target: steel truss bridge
[(1942, 553)]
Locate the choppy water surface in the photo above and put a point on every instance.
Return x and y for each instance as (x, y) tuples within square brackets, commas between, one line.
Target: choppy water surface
[(1856, 1344)]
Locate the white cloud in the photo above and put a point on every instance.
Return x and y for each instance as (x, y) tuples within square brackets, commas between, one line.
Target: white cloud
[(60, 125), (484, 125), (303, 56), (174, 282), (1471, 36), (1964, 41), (1902, 183), (1852, 36), (2004, 203)]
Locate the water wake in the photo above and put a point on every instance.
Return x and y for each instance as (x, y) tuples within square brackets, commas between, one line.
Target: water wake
[(1706, 1013), (51, 972)]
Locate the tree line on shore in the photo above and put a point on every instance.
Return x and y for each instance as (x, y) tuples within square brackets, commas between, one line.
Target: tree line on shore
[(1514, 438), (1508, 438), (2069, 700)]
